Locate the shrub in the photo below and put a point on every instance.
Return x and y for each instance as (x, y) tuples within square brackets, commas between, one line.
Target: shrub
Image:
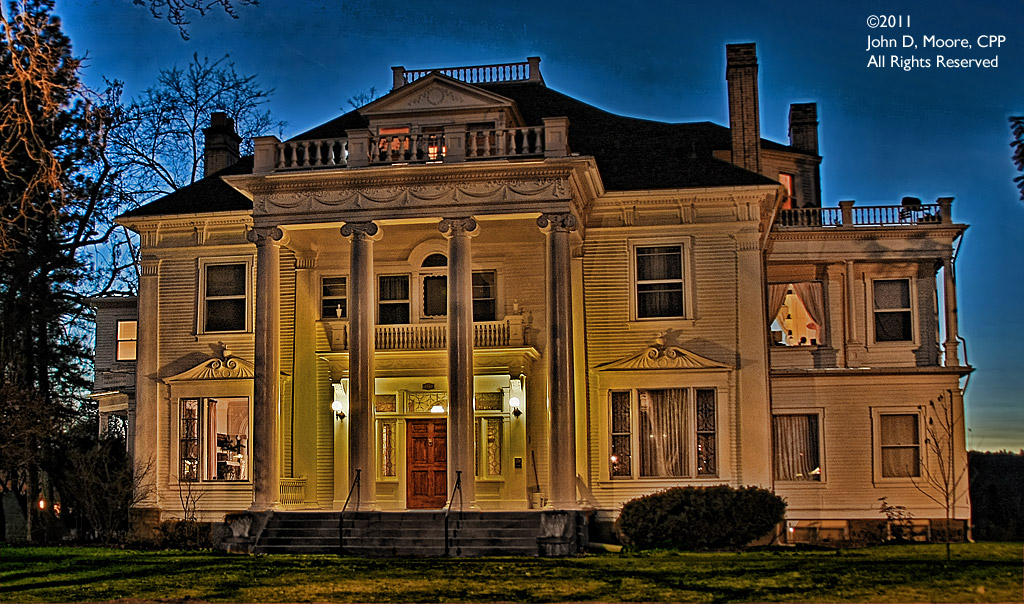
[(694, 518)]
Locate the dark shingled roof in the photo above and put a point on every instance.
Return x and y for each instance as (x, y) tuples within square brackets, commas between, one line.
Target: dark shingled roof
[(211, 194), (631, 153)]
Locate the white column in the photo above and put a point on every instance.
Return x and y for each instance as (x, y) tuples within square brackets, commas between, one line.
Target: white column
[(266, 453), (949, 296), (147, 396), (461, 439), (561, 398), (361, 302)]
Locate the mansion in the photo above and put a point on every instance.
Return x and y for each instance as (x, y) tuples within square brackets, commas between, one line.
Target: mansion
[(479, 292)]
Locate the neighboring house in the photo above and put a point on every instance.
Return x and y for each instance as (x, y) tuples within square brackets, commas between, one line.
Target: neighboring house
[(116, 350), (477, 275)]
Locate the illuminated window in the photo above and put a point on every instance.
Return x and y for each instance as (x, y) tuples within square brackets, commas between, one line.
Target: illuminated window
[(214, 438), (797, 447), (786, 180), (334, 298), (127, 340), (663, 433), (798, 313)]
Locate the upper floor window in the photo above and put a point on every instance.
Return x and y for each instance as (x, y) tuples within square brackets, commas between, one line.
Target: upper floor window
[(798, 313), (659, 281), (225, 303), (663, 433), (127, 340), (334, 298), (485, 296), (892, 310), (899, 445), (786, 180), (393, 299), (797, 443)]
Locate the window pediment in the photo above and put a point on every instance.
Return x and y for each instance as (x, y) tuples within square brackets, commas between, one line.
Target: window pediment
[(229, 367), (664, 353), (436, 94)]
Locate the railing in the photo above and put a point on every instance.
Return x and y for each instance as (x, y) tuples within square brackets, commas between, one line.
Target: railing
[(528, 70), (430, 336), (293, 490), (341, 516), (319, 153), (505, 142), (448, 538), (846, 215)]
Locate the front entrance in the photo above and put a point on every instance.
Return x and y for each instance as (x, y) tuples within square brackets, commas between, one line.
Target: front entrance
[(427, 452)]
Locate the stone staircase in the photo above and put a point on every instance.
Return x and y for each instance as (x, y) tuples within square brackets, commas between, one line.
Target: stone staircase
[(421, 533)]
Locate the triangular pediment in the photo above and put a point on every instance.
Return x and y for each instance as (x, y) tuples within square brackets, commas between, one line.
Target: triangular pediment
[(665, 353), (228, 368), (436, 93)]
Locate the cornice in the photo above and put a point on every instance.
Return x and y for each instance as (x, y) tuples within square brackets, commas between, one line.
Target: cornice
[(866, 232)]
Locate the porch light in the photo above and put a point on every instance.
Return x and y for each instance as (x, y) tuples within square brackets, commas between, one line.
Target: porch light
[(514, 402), (437, 409), (336, 406)]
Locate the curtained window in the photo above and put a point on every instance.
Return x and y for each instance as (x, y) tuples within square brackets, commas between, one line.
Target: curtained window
[(797, 447), (652, 433), (225, 300), (893, 314), (798, 313), (392, 299), (900, 445), (659, 281)]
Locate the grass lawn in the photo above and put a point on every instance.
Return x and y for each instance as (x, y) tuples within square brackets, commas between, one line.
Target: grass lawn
[(981, 572)]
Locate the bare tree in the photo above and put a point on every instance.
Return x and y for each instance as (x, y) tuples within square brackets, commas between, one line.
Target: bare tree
[(177, 11), (941, 480), (361, 98), (1017, 129)]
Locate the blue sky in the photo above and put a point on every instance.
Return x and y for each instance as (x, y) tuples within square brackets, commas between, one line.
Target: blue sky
[(884, 132)]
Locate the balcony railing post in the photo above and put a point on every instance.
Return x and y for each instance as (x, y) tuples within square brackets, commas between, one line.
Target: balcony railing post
[(946, 210), (397, 77), (455, 143), (359, 148), (556, 133), (846, 208), (264, 154), (534, 63)]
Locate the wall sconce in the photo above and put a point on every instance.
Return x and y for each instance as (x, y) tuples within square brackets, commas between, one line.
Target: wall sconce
[(336, 407), (514, 402)]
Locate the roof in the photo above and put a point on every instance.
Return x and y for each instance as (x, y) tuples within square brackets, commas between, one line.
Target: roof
[(631, 153), (210, 194)]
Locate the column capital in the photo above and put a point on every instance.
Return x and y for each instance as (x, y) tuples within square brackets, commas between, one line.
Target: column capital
[(558, 222), (266, 235), (361, 230), (451, 227), (149, 267)]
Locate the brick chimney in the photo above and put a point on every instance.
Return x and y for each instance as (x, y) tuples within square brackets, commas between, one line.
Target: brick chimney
[(803, 127), (221, 149), (744, 120)]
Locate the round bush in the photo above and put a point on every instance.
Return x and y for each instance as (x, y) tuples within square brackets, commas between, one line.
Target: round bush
[(695, 518)]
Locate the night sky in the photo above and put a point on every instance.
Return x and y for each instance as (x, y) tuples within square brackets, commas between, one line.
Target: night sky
[(885, 132)]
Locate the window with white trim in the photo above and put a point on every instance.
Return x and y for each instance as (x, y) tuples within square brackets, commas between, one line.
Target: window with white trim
[(797, 313), (893, 314), (797, 442), (213, 439), (661, 433), (127, 340), (899, 445), (225, 290), (393, 299)]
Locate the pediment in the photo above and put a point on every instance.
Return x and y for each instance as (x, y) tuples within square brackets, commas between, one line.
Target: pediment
[(436, 93), (228, 368), (662, 355)]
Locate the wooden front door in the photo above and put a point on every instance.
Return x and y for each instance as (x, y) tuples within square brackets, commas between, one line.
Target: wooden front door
[(427, 452)]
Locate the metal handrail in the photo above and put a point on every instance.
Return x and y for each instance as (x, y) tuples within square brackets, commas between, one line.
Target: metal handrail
[(341, 516), (448, 509)]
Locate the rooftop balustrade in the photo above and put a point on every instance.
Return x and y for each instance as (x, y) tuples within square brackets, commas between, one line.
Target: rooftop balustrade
[(846, 215), (455, 144)]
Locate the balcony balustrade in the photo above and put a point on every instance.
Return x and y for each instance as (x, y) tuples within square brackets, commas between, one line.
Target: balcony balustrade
[(430, 336), (846, 215)]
